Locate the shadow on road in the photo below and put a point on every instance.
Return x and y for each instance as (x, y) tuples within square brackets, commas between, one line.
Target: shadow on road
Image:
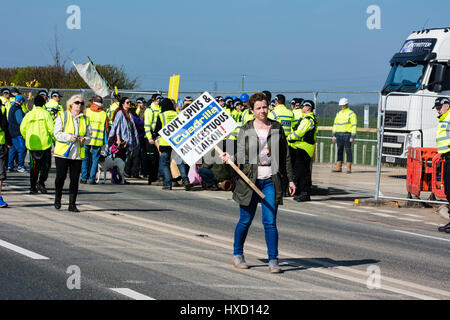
[(309, 263)]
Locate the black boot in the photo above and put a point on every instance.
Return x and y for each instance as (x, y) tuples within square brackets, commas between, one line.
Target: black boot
[(444, 228), (72, 201), (58, 196)]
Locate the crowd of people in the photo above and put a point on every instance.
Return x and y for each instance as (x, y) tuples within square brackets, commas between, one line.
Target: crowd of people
[(80, 134), (128, 130)]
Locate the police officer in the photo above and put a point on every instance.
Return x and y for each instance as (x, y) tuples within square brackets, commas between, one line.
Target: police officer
[(303, 140), (344, 133), (53, 106), (442, 106), (150, 118), (6, 103)]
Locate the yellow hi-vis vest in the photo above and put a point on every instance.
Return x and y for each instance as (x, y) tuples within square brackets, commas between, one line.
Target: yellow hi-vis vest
[(284, 116), (246, 116), (2, 137), (345, 121), (150, 119), (165, 118), (6, 105), (112, 108), (68, 127), (97, 121), (53, 107), (305, 134), (443, 133)]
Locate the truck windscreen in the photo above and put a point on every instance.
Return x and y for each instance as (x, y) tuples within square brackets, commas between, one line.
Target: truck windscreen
[(404, 78)]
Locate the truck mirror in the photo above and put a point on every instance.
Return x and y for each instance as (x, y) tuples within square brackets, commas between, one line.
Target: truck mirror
[(437, 87), (439, 70)]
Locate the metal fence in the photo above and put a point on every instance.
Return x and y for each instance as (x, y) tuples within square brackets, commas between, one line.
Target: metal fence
[(372, 175), (409, 122)]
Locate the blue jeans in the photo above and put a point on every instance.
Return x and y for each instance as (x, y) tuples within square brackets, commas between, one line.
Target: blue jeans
[(269, 216), (343, 141), (19, 148), (90, 163), (164, 165)]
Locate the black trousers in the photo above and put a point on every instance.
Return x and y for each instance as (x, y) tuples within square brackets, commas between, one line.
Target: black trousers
[(303, 180), (62, 166), (153, 162), (133, 163), (446, 177), (40, 163)]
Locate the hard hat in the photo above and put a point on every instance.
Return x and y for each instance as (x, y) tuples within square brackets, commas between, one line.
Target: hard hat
[(234, 97), (343, 102), (244, 97)]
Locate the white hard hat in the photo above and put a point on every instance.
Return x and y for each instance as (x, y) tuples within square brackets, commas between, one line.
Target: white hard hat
[(343, 102)]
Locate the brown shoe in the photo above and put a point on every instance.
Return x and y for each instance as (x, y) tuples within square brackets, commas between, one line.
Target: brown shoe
[(338, 167), (349, 167)]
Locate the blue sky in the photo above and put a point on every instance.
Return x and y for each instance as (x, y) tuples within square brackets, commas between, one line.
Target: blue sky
[(279, 45)]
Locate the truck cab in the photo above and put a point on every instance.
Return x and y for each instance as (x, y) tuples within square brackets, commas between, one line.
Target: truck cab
[(419, 73)]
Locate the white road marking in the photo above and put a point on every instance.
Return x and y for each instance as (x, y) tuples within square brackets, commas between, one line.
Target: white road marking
[(387, 211), (131, 294), (422, 235), (22, 251), (412, 215), (333, 206), (298, 212), (380, 214), (407, 219), (357, 210), (433, 224)]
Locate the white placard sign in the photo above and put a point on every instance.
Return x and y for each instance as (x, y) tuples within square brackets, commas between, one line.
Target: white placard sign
[(198, 128)]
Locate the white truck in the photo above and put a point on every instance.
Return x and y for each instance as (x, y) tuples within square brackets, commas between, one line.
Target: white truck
[(420, 68)]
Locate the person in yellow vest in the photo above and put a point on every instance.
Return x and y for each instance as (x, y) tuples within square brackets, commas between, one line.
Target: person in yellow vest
[(150, 118), (6, 103), (5, 145), (156, 100), (99, 125), (303, 140), (285, 117), (442, 106), (140, 106), (344, 133), (297, 110), (167, 114), (72, 132), (113, 107), (37, 129), (53, 106)]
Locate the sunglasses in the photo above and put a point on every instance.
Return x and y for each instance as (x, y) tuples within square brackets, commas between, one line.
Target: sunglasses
[(127, 102), (79, 103)]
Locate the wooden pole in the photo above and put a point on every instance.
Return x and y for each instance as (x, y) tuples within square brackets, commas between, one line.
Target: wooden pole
[(243, 176)]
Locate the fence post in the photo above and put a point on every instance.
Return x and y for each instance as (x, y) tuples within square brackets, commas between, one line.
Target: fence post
[(321, 152), (364, 151), (355, 160), (331, 152), (315, 151), (372, 157)]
